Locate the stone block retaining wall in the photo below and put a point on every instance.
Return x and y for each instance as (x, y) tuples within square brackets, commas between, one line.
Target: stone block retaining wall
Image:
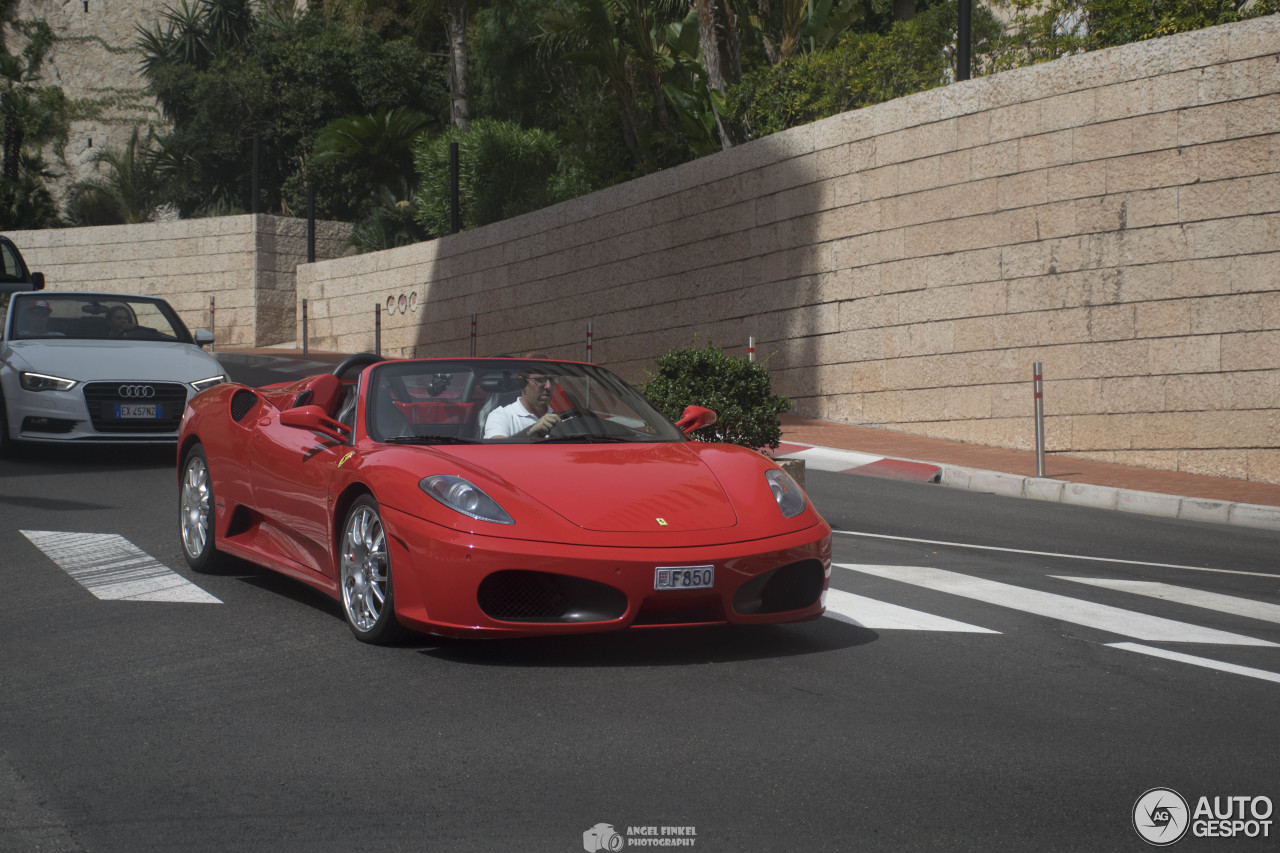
[(246, 264), (1115, 216)]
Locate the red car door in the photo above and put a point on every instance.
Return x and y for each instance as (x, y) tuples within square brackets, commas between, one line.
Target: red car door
[(292, 470)]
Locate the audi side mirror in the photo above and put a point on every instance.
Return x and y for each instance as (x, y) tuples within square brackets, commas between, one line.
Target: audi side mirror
[(37, 281), (695, 418), (203, 337)]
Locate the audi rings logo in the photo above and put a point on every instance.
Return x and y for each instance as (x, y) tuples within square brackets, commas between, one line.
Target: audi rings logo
[(136, 392)]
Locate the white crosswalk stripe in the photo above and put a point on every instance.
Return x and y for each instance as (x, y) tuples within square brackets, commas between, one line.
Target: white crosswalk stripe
[(1184, 595), (114, 569), (1116, 620), (1195, 660), (882, 616)]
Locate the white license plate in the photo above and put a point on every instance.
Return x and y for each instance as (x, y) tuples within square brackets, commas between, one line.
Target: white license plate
[(684, 577), (149, 410)]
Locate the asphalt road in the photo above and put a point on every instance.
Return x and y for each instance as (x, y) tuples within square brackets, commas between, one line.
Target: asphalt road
[(1003, 705)]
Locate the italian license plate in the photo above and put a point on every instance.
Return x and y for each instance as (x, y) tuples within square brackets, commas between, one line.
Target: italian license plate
[(137, 410), (684, 577)]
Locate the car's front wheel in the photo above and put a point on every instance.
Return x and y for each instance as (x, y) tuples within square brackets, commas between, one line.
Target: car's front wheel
[(368, 599), (195, 513)]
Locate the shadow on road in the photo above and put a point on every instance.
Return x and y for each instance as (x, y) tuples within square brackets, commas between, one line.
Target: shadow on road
[(29, 459), (664, 647)]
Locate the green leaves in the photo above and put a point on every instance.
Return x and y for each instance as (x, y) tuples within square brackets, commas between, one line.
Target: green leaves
[(736, 389), (504, 171)]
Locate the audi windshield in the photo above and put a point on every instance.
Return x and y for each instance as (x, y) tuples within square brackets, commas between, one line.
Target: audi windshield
[(94, 317)]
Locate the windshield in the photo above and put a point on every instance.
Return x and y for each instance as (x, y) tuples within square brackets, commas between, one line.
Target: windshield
[(485, 401), (95, 316)]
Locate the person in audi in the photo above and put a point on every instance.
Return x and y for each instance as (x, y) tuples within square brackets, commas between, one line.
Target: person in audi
[(119, 322)]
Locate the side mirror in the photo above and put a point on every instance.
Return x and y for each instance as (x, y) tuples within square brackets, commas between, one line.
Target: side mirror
[(695, 418), (314, 419), (203, 337), (37, 281)]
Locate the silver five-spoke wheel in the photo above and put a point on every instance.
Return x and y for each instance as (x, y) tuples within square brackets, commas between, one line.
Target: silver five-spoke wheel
[(195, 511), (367, 597)]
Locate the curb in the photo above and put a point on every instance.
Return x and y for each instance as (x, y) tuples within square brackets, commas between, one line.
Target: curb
[(1108, 497)]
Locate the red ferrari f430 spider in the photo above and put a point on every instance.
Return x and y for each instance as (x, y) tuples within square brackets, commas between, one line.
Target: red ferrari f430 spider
[(495, 497)]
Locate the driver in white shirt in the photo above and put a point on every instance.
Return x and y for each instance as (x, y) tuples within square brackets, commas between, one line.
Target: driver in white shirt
[(529, 415)]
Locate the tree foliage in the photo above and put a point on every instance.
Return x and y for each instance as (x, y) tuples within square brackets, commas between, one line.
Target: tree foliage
[(281, 79), (504, 171), (32, 114), (863, 68), (134, 186), (1043, 31)]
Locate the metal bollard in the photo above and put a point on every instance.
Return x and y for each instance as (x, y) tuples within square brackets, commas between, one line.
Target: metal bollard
[(473, 335), (588, 340), (304, 327), (1038, 386), (211, 326), (377, 328), (751, 349)]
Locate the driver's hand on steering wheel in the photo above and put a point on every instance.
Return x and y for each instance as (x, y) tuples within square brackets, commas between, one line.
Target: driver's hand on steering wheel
[(545, 424)]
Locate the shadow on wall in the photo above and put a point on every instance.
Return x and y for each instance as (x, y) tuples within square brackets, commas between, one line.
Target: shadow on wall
[(726, 248)]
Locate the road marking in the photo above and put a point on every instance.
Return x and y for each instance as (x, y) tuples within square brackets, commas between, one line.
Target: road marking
[(1235, 605), (114, 569), (1060, 607), (823, 459), (1053, 554), (1198, 661), (881, 616)]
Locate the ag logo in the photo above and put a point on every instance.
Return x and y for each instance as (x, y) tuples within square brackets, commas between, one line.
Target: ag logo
[(1161, 817)]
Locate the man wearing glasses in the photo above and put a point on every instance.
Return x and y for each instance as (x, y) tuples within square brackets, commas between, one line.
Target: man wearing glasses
[(528, 415)]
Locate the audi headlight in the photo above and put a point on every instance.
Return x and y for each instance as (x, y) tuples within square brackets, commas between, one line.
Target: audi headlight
[(201, 384), (464, 497), (786, 492), (44, 382)]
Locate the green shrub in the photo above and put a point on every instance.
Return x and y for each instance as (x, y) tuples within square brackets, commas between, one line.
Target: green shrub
[(503, 171), (735, 388)]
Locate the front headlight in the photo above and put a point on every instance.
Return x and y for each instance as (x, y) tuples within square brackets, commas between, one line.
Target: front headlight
[(201, 384), (464, 497), (786, 492), (44, 382)]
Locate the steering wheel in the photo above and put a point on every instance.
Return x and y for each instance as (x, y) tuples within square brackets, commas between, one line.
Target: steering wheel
[(359, 360), (571, 414)]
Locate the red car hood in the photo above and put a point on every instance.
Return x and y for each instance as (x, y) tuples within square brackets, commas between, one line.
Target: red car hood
[(611, 487)]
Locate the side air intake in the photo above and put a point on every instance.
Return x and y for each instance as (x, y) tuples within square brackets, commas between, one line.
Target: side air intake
[(242, 403)]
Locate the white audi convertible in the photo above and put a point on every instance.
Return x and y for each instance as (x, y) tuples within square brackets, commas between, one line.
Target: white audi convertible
[(98, 368)]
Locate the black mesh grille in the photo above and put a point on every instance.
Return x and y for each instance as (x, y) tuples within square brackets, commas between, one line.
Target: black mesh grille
[(242, 403), (518, 596), (103, 398), (792, 587)]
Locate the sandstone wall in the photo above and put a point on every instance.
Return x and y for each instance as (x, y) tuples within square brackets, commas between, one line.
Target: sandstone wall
[(247, 264), (95, 60), (1114, 215)]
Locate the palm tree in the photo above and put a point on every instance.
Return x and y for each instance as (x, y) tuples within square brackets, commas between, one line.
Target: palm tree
[(131, 191), (382, 142)]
